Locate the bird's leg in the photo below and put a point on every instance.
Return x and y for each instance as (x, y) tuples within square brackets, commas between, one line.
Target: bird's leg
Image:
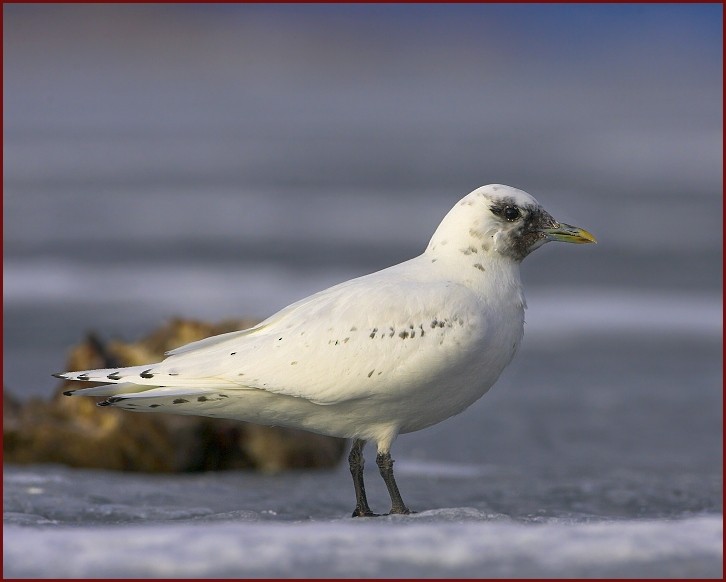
[(356, 461), (385, 464)]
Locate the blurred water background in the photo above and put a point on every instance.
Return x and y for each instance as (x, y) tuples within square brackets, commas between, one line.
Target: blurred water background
[(216, 161)]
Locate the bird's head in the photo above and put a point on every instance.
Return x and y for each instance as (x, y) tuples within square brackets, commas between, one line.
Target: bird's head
[(498, 219)]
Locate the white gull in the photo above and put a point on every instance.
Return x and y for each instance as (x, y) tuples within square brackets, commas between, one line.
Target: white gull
[(371, 358)]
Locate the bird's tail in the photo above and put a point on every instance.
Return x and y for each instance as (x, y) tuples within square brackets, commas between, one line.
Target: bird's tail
[(137, 374), (137, 388)]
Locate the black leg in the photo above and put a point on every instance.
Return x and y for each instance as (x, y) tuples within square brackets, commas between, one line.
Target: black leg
[(356, 461), (385, 464)]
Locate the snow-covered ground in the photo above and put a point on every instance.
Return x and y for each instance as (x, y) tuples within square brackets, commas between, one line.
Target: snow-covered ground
[(65, 523), (460, 542)]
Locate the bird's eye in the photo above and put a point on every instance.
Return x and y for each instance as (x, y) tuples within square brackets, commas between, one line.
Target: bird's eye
[(511, 213)]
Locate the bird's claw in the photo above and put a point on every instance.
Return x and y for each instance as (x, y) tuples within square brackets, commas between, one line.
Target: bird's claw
[(357, 512), (400, 511)]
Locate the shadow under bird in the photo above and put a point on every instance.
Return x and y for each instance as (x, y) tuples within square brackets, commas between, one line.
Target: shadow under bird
[(384, 354)]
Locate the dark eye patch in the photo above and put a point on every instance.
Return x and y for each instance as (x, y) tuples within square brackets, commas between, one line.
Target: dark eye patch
[(508, 212)]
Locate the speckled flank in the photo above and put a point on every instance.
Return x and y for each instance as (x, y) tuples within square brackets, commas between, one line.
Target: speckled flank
[(179, 401), (413, 330), (479, 266)]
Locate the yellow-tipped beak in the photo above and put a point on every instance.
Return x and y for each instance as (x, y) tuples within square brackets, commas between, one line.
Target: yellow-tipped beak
[(570, 234)]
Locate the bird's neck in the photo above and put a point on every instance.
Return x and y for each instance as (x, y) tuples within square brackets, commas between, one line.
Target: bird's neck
[(485, 271), (467, 253)]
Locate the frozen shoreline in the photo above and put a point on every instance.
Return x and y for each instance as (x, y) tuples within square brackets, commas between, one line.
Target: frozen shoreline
[(490, 521), (444, 542)]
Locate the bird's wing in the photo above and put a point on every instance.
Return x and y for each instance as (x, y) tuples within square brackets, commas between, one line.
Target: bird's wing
[(197, 359), (219, 341), (376, 334), (351, 341)]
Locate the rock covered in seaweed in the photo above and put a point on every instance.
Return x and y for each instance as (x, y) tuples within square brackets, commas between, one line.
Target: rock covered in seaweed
[(75, 432)]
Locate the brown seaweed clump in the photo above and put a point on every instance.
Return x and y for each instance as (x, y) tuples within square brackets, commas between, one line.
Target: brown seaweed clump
[(75, 432)]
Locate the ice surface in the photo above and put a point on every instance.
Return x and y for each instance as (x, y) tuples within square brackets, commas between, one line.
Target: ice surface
[(445, 542), (491, 521)]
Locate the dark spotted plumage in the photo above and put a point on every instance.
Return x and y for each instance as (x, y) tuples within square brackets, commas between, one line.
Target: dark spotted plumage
[(527, 234)]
